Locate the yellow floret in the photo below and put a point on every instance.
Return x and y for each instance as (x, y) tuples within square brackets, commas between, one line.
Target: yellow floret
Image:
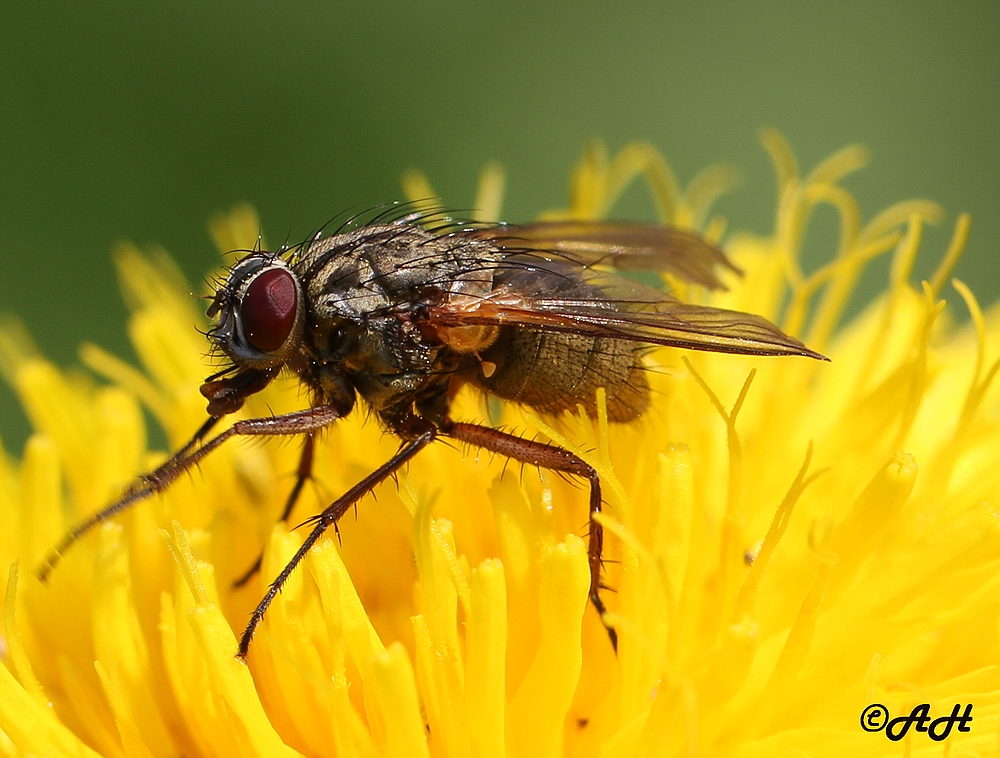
[(789, 541)]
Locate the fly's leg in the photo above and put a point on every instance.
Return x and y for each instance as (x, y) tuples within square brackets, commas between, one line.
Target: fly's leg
[(302, 475), (133, 494), (328, 518), (555, 459), (157, 480)]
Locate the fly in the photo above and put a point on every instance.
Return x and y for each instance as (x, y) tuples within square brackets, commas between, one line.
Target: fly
[(404, 316)]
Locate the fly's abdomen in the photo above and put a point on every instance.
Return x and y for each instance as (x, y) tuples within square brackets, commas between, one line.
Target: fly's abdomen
[(556, 372)]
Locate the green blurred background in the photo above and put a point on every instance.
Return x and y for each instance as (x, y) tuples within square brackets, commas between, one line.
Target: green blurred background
[(139, 120)]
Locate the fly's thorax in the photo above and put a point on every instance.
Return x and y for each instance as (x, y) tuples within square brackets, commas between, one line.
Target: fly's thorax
[(366, 293), (260, 312), (328, 383), (384, 358), (391, 267)]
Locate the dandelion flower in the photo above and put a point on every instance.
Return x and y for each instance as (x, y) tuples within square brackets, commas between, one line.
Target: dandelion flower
[(789, 541)]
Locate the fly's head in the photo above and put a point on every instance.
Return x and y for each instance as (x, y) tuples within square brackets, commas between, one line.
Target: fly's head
[(258, 312), (259, 316)]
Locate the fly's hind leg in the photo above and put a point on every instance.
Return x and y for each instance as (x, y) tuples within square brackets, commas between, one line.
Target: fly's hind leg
[(555, 459)]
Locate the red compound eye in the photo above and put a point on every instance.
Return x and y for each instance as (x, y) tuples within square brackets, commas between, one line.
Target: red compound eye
[(268, 309)]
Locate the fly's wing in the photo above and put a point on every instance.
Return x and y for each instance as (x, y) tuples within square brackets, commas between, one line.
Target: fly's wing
[(553, 295), (622, 245)]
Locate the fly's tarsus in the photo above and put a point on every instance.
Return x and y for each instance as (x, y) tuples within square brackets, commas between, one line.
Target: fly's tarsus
[(329, 517)]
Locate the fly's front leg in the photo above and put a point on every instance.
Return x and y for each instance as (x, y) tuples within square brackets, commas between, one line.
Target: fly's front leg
[(134, 493), (190, 455), (302, 475), (555, 459)]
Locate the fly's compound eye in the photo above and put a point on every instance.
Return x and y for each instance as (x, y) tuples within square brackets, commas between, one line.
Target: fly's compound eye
[(269, 308)]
